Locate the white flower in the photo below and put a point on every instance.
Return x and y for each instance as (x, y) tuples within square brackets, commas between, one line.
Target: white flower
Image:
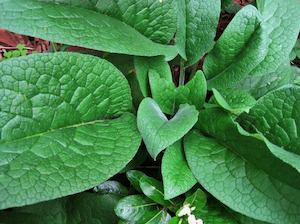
[(199, 221), (192, 219), (185, 211)]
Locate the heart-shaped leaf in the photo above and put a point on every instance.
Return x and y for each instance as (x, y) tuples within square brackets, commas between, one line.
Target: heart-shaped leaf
[(56, 138), (90, 29), (177, 176), (157, 131)]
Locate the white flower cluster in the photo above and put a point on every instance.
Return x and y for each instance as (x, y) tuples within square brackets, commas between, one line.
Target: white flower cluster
[(188, 211)]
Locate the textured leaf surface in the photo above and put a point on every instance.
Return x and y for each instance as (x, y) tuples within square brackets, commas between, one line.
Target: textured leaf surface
[(80, 208), (153, 189), (281, 20), (277, 117), (177, 176), (238, 51), (144, 64), (134, 207), (201, 20), (157, 131), (54, 141), (77, 26), (234, 100), (258, 86), (163, 92), (239, 184), (155, 20), (193, 93), (255, 148)]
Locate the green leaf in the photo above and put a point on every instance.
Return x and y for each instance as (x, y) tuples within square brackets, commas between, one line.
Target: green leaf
[(55, 139), (193, 93), (136, 93), (238, 51), (134, 177), (157, 131), (226, 3), (295, 51), (143, 66), (258, 86), (281, 20), (177, 176), (163, 92), (277, 116), (197, 23), (155, 217), (237, 183), (80, 208), (197, 200), (144, 16), (137, 160), (153, 189), (215, 213), (234, 100), (134, 207), (77, 26), (123, 62), (111, 187)]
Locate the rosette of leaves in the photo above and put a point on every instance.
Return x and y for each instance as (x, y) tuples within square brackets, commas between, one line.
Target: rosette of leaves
[(66, 124)]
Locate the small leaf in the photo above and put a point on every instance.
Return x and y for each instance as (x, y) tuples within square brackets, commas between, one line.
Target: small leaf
[(155, 217), (111, 187), (197, 200), (163, 92), (157, 131), (20, 46), (192, 93), (144, 64), (134, 207), (234, 100), (134, 177), (177, 176), (153, 189)]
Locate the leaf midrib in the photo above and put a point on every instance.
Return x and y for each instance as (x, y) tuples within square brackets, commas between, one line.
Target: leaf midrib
[(53, 130)]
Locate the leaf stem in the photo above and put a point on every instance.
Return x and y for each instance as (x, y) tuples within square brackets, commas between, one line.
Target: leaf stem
[(193, 72), (53, 45), (182, 73)]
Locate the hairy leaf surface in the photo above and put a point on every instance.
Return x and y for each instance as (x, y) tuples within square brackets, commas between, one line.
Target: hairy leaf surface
[(55, 136), (77, 26)]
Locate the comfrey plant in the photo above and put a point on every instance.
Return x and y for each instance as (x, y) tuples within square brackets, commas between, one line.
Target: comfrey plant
[(225, 139)]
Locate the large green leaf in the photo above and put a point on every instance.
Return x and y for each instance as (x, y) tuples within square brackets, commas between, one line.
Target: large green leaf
[(197, 23), (80, 208), (177, 176), (154, 19), (55, 139), (238, 51), (255, 148), (258, 86), (77, 26), (277, 116), (239, 184), (157, 131), (282, 25)]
